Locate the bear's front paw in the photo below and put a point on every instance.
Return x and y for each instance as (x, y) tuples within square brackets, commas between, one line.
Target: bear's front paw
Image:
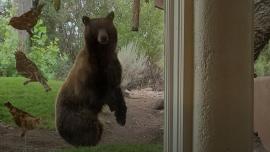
[(120, 117)]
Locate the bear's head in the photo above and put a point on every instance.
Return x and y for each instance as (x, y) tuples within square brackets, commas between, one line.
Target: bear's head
[(100, 32)]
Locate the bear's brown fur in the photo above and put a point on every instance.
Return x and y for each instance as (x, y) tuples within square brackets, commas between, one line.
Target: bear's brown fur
[(93, 81)]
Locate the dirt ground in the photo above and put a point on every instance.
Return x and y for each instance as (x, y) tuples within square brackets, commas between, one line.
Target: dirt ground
[(144, 125)]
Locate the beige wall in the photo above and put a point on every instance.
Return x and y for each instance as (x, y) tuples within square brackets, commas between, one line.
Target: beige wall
[(221, 81), (223, 84), (262, 109)]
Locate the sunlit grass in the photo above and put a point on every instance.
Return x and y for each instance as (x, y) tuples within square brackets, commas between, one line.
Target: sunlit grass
[(31, 98)]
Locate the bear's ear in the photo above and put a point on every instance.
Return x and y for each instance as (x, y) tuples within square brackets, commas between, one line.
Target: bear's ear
[(110, 15), (85, 20)]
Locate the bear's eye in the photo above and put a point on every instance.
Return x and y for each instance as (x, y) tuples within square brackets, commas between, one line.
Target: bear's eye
[(85, 20)]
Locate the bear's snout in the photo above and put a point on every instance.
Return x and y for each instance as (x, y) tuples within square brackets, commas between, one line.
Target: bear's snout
[(103, 37)]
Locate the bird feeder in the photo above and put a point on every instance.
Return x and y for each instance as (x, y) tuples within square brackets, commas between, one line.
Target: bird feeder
[(159, 4)]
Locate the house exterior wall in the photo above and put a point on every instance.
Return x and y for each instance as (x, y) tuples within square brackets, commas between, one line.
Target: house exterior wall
[(223, 88), (209, 76), (262, 109)]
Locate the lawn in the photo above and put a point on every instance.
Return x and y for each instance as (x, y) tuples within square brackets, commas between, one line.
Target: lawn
[(118, 148), (31, 98)]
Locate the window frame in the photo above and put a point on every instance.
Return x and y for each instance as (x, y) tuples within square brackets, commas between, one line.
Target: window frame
[(178, 75)]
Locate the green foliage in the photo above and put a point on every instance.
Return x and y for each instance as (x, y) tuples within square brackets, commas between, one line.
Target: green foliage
[(262, 66), (150, 37), (67, 25), (118, 148), (58, 36), (31, 98), (46, 53), (8, 45)]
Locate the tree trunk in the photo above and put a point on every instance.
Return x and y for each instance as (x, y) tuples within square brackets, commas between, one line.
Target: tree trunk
[(136, 15), (22, 7)]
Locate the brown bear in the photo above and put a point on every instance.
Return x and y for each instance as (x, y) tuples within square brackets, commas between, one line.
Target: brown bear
[(93, 81)]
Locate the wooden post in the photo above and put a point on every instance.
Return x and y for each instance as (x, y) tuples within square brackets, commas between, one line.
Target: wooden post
[(136, 15)]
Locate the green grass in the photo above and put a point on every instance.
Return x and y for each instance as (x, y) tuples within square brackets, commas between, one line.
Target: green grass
[(31, 98), (118, 148)]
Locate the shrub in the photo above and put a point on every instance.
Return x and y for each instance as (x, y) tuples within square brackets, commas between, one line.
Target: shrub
[(134, 65), (138, 71), (262, 65), (155, 77)]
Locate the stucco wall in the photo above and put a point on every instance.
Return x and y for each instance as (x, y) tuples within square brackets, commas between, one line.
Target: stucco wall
[(223, 76), (262, 109)]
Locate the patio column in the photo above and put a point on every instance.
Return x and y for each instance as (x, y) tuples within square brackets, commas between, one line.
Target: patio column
[(223, 79)]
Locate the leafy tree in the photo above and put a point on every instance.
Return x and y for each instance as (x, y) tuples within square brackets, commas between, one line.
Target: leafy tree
[(45, 53), (8, 45), (149, 38), (66, 24), (59, 34)]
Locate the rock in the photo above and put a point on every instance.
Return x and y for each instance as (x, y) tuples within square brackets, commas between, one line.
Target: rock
[(159, 104), (10, 127), (126, 93)]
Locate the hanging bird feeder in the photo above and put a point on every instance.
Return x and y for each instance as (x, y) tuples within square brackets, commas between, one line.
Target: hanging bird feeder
[(159, 4)]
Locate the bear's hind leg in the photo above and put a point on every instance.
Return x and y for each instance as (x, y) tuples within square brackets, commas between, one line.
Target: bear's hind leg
[(78, 127)]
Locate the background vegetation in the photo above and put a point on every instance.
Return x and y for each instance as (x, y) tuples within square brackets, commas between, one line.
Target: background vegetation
[(262, 66), (58, 37)]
